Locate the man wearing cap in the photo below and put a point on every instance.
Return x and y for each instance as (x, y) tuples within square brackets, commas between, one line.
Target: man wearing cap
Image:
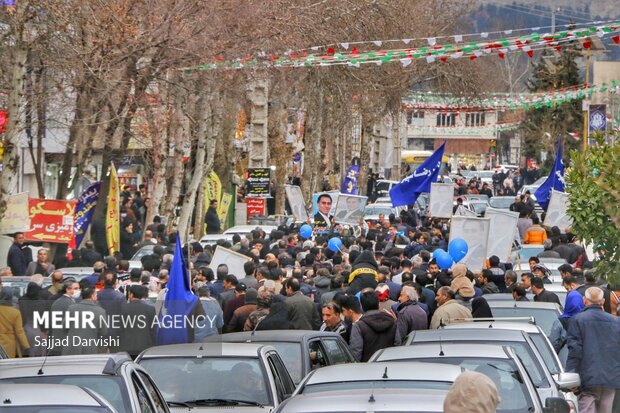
[(542, 272), (241, 314)]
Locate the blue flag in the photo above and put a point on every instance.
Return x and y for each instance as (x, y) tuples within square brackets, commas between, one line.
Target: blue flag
[(84, 211), (174, 318), (409, 189), (349, 186), (555, 180)]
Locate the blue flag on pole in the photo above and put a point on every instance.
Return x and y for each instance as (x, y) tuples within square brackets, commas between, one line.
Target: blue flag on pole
[(555, 180), (174, 318), (349, 186), (84, 211), (409, 189)]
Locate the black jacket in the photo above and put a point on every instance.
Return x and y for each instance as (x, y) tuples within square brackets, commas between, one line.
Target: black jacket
[(142, 335), (378, 330), (213, 221), (547, 297)]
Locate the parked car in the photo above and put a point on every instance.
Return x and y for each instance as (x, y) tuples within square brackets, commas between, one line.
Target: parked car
[(544, 313), (501, 202), (377, 387), (499, 363), (144, 250), (518, 340), (19, 283), (302, 351), (49, 398), (77, 273), (245, 230), (383, 186), (120, 381), (373, 211), (214, 376), (212, 239)]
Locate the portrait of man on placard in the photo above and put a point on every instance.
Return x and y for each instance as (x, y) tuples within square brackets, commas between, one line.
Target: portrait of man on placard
[(324, 205), (296, 202), (350, 209)]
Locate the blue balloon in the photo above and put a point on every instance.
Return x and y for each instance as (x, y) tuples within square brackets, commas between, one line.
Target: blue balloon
[(458, 249), (334, 244), (443, 259), (305, 231)]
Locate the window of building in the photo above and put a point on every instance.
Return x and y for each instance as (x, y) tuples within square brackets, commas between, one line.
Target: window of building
[(414, 116), (446, 119), (474, 119)]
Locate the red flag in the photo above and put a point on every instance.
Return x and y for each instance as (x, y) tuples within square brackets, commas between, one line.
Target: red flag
[(616, 39)]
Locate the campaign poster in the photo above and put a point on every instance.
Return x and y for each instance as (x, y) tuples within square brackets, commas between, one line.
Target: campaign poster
[(16, 218), (324, 207), (232, 259), (441, 200), (501, 232), (475, 231), (350, 209), (296, 202), (255, 206), (557, 211)]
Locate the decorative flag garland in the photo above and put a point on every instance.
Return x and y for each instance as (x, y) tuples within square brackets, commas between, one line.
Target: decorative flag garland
[(472, 50), (503, 102), (469, 130)]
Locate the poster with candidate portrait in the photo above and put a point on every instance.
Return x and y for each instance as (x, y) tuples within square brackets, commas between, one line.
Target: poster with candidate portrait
[(350, 209), (324, 207), (475, 231), (501, 232), (557, 211), (441, 200), (296, 202)]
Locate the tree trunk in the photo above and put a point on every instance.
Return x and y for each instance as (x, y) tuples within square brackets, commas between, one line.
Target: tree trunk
[(312, 152), (280, 151), (364, 154), (8, 177)]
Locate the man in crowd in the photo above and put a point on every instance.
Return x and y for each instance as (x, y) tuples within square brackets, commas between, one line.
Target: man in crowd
[(331, 319), (542, 295), (594, 353), (18, 259), (449, 310), (373, 331)]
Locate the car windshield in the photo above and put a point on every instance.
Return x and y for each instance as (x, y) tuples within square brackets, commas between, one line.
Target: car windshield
[(146, 250), (523, 351), (504, 373), (46, 409), (111, 388), (544, 316), (546, 352), (290, 353), (501, 202), (187, 379), (376, 385), (378, 210)]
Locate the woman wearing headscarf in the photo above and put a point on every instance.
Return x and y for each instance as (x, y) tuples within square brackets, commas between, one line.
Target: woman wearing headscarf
[(480, 308), (12, 335), (32, 302), (472, 392), (573, 305)]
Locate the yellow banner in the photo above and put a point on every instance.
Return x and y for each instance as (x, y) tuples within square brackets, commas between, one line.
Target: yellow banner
[(224, 205), (213, 189), (112, 219)]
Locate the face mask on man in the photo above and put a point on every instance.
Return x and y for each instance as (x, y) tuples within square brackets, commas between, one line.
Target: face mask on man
[(76, 294)]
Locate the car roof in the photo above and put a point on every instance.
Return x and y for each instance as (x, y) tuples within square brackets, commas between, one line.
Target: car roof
[(434, 350), (385, 400), (414, 371), (524, 304), (273, 335), (465, 335), (14, 395), (76, 270), (94, 364), (203, 350), (496, 325), (242, 229)]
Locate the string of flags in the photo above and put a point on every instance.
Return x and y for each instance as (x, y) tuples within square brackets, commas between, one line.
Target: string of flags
[(470, 130), (505, 101), (431, 52)]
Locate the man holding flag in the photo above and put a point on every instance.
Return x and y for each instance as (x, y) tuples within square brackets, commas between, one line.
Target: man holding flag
[(181, 310), (409, 189), (555, 180)]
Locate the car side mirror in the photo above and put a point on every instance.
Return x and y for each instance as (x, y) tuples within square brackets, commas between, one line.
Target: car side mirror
[(567, 381), (556, 405)]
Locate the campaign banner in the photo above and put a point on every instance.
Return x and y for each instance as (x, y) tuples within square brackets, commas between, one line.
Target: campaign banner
[(441, 200), (258, 182), (501, 232), (233, 260), (224, 205), (50, 220), (557, 212), (296, 201), (349, 186), (213, 188), (112, 218), (597, 119), (16, 218), (255, 206), (84, 211), (475, 231)]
